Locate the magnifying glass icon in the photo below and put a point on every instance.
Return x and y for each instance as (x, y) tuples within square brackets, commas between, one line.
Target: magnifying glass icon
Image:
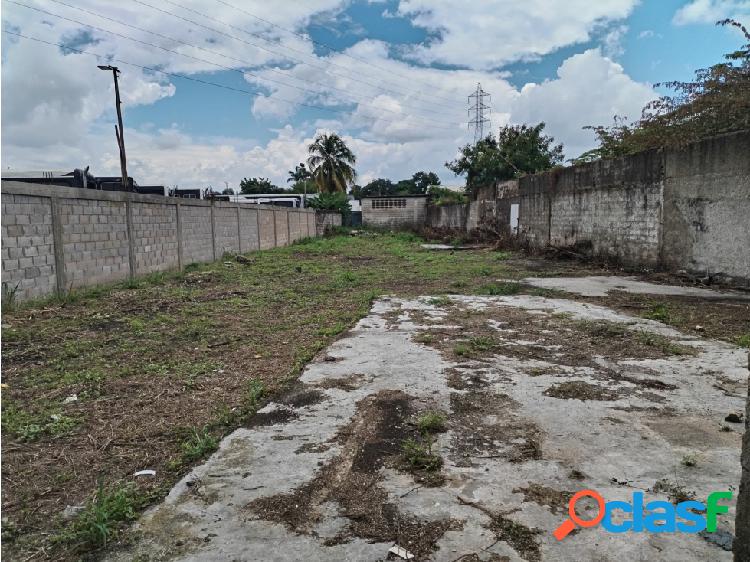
[(569, 524)]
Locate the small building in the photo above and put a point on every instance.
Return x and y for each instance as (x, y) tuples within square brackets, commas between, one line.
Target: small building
[(395, 211)]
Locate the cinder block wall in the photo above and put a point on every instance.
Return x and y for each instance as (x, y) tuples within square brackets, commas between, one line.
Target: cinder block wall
[(412, 215), (59, 238), (707, 207), (678, 209), (325, 220), (613, 207)]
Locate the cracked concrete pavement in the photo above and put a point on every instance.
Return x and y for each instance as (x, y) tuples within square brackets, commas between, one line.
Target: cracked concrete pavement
[(514, 450)]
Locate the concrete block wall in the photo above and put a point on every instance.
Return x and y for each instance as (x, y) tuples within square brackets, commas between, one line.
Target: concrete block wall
[(325, 221), (226, 230), (707, 207), (613, 207), (94, 241), (412, 215), (685, 208), (28, 255), (196, 233), (58, 238), (447, 216), (154, 230), (249, 233), (281, 220), (267, 229)]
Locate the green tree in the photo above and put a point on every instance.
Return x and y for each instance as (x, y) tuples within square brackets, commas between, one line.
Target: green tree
[(250, 186), (331, 163), (517, 150), (301, 180), (423, 180), (378, 188), (336, 201), (228, 191), (716, 101)]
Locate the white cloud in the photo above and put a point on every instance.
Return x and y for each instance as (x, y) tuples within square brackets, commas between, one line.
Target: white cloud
[(589, 90), (398, 118), (612, 43), (710, 11), (489, 33)]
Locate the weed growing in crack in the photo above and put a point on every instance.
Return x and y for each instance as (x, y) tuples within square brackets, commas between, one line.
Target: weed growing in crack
[(689, 460), (505, 288), (664, 344), (461, 349), (420, 456), (441, 301), (431, 422), (661, 313)]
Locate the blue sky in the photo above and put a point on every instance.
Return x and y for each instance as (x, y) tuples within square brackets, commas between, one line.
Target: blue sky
[(393, 82)]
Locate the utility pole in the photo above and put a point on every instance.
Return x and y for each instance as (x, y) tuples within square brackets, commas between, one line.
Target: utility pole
[(478, 107), (119, 133)]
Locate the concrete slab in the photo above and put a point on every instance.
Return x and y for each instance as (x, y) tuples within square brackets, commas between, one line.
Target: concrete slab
[(511, 453), (601, 285)]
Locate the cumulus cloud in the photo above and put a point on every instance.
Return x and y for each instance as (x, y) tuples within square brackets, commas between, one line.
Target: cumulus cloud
[(590, 89), (710, 11), (397, 116), (493, 32)]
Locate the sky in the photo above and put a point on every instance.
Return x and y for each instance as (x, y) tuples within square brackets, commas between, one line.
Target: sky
[(217, 90)]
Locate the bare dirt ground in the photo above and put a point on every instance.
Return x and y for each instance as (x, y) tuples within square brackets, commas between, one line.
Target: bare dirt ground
[(535, 398)]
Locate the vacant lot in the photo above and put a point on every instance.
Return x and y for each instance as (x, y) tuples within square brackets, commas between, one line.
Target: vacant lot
[(151, 375)]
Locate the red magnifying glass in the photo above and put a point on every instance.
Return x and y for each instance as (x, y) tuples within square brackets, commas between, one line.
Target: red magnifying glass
[(569, 524)]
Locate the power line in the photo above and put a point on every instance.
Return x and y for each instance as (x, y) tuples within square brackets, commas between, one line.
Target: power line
[(224, 67), (181, 76), (320, 43), (285, 55), (478, 106), (242, 61)]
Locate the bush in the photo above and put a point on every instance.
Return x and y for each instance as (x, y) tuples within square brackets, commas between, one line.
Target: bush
[(443, 196), (331, 202)]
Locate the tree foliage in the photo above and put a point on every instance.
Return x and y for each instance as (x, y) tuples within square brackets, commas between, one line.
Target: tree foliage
[(331, 163), (416, 185), (717, 101), (249, 186), (337, 201), (517, 150), (444, 196)]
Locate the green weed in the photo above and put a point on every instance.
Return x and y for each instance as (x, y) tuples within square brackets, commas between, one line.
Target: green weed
[(198, 445), (504, 288), (744, 340), (420, 456), (104, 516), (431, 422), (440, 301)]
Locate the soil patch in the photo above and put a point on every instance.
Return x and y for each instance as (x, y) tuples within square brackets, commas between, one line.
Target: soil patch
[(556, 500), (274, 417), (352, 382), (352, 481), (487, 425), (301, 396), (580, 390)]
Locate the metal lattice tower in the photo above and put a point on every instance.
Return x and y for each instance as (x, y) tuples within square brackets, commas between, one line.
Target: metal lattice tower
[(479, 111)]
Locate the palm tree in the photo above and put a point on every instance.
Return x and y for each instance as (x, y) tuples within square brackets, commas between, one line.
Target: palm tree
[(331, 163), (300, 173)]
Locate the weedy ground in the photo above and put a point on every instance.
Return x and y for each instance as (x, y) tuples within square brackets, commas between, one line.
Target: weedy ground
[(150, 374)]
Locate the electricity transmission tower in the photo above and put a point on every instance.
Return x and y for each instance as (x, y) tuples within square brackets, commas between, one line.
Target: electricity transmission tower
[(479, 112)]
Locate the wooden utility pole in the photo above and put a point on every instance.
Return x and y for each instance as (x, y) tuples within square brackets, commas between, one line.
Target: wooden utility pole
[(119, 133)]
